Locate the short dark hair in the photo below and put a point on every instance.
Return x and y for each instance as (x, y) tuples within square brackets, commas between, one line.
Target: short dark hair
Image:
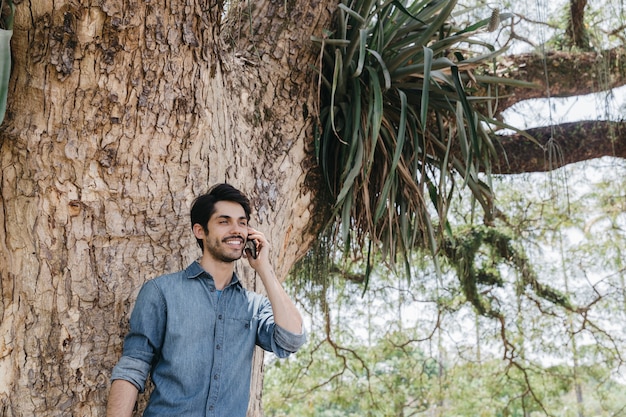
[(203, 206)]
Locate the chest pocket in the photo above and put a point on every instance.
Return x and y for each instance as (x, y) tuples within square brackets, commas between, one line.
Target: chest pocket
[(240, 330)]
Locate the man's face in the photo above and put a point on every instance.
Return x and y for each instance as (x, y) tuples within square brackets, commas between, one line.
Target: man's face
[(227, 232)]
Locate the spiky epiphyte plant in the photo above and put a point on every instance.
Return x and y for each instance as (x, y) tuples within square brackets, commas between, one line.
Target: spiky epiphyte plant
[(397, 122), (7, 12)]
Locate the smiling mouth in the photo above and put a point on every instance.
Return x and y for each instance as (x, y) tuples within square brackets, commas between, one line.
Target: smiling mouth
[(236, 243)]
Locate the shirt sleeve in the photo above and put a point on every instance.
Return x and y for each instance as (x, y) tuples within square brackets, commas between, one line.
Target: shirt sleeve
[(144, 340), (273, 338)]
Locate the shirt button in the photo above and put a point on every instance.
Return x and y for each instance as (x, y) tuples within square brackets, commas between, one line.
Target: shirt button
[(218, 347), (216, 377), (211, 408), (219, 317)]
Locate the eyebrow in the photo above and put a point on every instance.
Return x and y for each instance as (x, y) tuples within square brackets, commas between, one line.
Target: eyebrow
[(226, 216)]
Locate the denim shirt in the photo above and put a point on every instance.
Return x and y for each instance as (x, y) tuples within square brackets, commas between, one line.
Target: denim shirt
[(197, 346)]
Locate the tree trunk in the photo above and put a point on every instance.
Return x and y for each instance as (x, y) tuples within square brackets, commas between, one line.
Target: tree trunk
[(119, 114), (576, 31)]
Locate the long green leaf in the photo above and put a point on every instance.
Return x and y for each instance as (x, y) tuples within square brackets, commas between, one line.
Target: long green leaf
[(6, 33), (355, 170), (337, 79), (438, 22), (5, 69), (428, 60), (376, 107), (362, 45), (352, 13), (484, 23), (399, 146), (383, 68), (467, 109)]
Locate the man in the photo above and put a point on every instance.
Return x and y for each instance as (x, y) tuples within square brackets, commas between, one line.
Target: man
[(194, 331)]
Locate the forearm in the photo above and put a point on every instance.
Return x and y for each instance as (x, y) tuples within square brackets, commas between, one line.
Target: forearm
[(286, 314), (122, 399)]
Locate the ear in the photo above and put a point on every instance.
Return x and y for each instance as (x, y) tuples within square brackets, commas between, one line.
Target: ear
[(198, 231)]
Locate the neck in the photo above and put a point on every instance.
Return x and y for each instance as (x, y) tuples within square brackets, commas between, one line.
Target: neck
[(221, 271)]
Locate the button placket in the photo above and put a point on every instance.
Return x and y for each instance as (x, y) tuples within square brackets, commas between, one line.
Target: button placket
[(218, 353)]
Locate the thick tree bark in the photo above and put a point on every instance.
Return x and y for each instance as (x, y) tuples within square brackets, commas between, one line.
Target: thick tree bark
[(568, 74), (576, 31), (119, 114), (559, 145)]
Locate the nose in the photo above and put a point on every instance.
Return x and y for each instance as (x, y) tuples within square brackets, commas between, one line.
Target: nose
[(240, 229)]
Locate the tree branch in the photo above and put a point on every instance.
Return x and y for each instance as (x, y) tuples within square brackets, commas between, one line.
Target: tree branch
[(560, 145), (569, 74)]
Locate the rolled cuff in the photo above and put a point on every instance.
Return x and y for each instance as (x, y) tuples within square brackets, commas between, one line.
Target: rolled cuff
[(132, 370), (289, 341)]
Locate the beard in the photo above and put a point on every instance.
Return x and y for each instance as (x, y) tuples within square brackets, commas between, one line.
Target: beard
[(220, 251)]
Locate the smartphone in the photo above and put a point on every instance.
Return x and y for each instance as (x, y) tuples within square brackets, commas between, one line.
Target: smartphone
[(251, 248)]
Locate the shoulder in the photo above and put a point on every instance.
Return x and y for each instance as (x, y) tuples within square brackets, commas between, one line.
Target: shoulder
[(178, 278), (163, 284), (255, 300), (170, 278)]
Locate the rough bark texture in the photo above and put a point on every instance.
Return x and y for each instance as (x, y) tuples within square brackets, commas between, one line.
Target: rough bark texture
[(559, 145), (576, 31), (568, 74), (120, 113)]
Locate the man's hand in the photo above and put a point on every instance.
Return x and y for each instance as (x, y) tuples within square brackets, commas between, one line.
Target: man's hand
[(286, 314), (262, 250)]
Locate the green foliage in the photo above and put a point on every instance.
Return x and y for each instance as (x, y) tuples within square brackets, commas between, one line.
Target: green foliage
[(354, 381), (397, 119), (7, 13), (416, 346), (397, 373), (479, 270)]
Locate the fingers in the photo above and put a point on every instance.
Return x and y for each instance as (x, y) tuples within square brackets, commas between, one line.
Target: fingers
[(254, 234), (262, 245)]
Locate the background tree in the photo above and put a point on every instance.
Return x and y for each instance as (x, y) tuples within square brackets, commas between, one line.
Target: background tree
[(119, 113), (388, 346)]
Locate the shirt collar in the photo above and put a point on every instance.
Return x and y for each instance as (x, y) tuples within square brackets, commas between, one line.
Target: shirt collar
[(195, 271)]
